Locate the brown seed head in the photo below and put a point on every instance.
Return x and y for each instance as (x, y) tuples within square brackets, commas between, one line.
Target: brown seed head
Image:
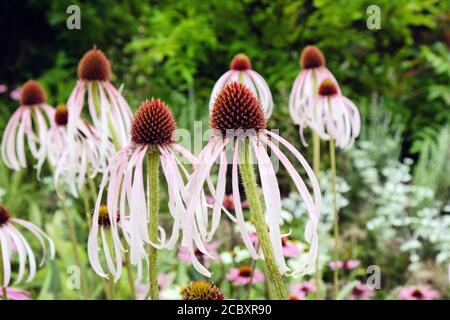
[(4, 215), (327, 88), (312, 57), (32, 93), (240, 62), (245, 271), (153, 124), (61, 115), (236, 107), (94, 65), (202, 290)]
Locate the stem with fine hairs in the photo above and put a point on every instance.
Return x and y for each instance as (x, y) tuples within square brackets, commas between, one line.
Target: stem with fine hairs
[(257, 214), (153, 215), (335, 218)]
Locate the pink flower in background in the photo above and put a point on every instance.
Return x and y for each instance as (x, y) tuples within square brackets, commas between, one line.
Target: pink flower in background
[(28, 124), (241, 71), (361, 292), (344, 265), (418, 293), (351, 264), (15, 94), (228, 203), (3, 88), (184, 254), (300, 296), (243, 275), (306, 84), (303, 288), (16, 294), (290, 248)]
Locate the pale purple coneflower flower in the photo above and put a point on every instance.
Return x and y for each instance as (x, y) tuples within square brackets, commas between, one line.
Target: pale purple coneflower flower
[(361, 291), (16, 294), (3, 88), (237, 118), (290, 248), (334, 116), (12, 241), (15, 94), (152, 130), (29, 122), (243, 275), (306, 85), (184, 255), (303, 288), (73, 168), (418, 293), (344, 265), (228, 203), (241, 71), (299, 296), (109, 112)]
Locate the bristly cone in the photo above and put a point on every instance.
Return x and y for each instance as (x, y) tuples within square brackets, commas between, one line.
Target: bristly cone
[(202, 290), (327, 88), (94, 65), (32, 93), (153, 124), (311, 58), (61, 115), (240, 62), (236, 107), (4, 215)]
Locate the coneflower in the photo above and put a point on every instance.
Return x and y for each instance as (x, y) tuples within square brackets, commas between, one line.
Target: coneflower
[(241, 71), (152, 139), (202, 290), (73, 167), (109, 112), (238, 121), (334, 116), (29, 122), (12, 241), (313, 72)]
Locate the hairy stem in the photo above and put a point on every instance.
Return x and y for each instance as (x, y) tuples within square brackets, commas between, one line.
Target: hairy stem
[(335, 218), (257, 213), (153, 212)]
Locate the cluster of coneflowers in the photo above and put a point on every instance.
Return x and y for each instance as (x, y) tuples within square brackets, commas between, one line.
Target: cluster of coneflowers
[(95, 132)]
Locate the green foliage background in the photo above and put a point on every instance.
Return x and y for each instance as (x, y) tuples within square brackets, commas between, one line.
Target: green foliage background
[(177, 49)]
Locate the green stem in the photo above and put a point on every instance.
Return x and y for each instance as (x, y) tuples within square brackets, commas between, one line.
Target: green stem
[(153, 208), (73, 238), (257, 213), (4, 291), (335, 217), (316, 168)]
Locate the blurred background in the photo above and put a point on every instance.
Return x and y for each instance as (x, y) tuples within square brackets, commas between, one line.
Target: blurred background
[(395, 183)]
